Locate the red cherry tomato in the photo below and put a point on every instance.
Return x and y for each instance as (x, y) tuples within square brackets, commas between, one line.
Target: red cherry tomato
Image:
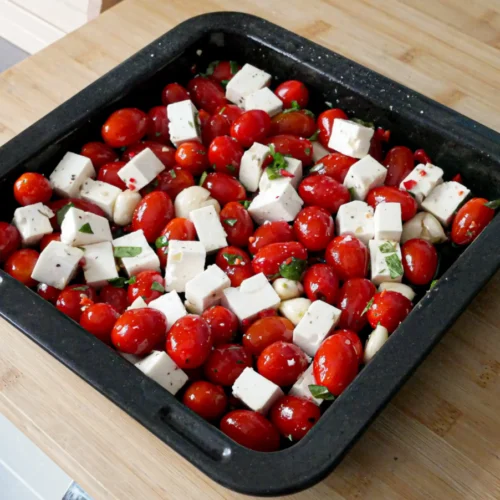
[(165, 153), (224, 188), (237, 223), (420, 261), (335, 364), (252, 126), (32, 188), (269, 258), (86, 206), (293, 90), (216, 126), (399, 162), (206, 93), (48, 292), (152, 213), (116, 297), (125, 127), (10, 240), (189, 341), (282, 363), (47, 238), (230, 111), (300, 123), (236, 263), (72, 299), (389, 309), (99, 320), (138, 331), (324, 192), (336, 166), (226, 362), (421, 156), (353, 298), (375, 150), (321, 283), (223, 71), (208, 400), (325, 124), (313, 227), (143, 286), (251, 430), (20, 265), (386, 194), (174, 181), (468, 223), (158, 125), (225, 155), (109, 173), (297, 147), (267, 331), (192, 156), (270, 232), (348, 256), (352, 338), (98, 153), (173, 92), (177, 229), (294, 417), (223, 324)]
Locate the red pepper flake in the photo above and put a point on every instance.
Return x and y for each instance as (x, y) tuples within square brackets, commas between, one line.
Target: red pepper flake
[(288, 261), (422, 173), (421, 156), (457, 178), (383, 135), (85, 302), (286, 173), (460, 193), (132, 180), (409, 184), (237, 262)]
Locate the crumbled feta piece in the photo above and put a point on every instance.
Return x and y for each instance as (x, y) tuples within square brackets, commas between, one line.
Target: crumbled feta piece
[(100, 265), (145, 260), (385, 258), (356, 218), (171, 306), (364, 175), (399, 288), (125, 204), (139, 303), (295, 309), (160, 367), (318, 151), (422, 180), (186, 259), (265, 100), (444, 200), (375, 341), (57, 264), (184, 123), (318, 322), (387, 221), (32, 222), (209, 228), (84, 228), (70, 174), (288, 289), (301, 387), (293, 168), (256, 391), (192, 198), (101, 194), (141, 170), (251, 166), (350, 138), (247, 80)]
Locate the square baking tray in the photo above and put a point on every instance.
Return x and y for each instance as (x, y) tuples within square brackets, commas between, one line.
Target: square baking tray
[(456, 143)]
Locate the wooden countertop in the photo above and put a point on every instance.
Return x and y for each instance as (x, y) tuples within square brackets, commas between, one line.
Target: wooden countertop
[(440, 437)]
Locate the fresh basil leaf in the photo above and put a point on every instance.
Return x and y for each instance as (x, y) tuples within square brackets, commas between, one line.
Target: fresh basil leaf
[(314, 137), (121, 282), (245, 203), (494, 204), (293, 270), (231, 168), (230, 222), (387, 247), (132, 280), (352, 192), (121, 252), (307, 151), (231, 258), (158, 287), (203, 178), (86, 229), (367, 307), (161, 242), (233, 67), (62, 212), (321, 392), (211, 67), (394, 265), (433, 284), (224, 83)]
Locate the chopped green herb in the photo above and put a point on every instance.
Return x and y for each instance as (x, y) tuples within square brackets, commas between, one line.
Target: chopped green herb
[(387, 247), (294, 270), (224, 83), (364, 123), (81, 288), (231, 168), (394, 265), (367, 307), (321, 392), (309, 113), (211, 67), (469, 234), (81, 248), (245, 203), (239, 362), (86, 229), (494, 204), (172, 173), (352, 192), (190, 123), (121, 252), (317, 168), (222, 110), (307, 151), (294, 107), (62, 212), (231, 258), (155, 182), (161, 241), (132, 280), (233, 67), (158, 134), (230, 222), (158, 287), (121, 282), (314, 137), (203, 178), (433, 284), (273, 171)]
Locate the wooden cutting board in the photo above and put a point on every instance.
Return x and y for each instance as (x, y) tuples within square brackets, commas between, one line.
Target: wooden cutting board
[(440, 437)]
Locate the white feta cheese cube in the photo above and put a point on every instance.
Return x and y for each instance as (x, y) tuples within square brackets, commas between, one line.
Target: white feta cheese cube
[(318, 322), (100, 193), (184, 123), (84, 228), (301, 387), (139, 303), (422, 180), (254, 295), (209, 228), (375, 341), (385, 258), (387, 221), (192, 198), (279, 203), (70, 174), (399, 288), (32, 222), (57, 264), (251, 166), (205, 290), (247, 80), (100, 265), (160, 367), (425, 226), (318, 151), (171, 306), (186, 259), (364, 175), (145, 260), (288, 289), (350, 138), (141, 170), (293, 167), (125, 204), (265, 100), (356, 218), (256, 391), (295, 309), (444, 200)]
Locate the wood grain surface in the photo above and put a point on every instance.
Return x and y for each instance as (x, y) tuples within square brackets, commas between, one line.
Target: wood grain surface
[(440, 437)]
